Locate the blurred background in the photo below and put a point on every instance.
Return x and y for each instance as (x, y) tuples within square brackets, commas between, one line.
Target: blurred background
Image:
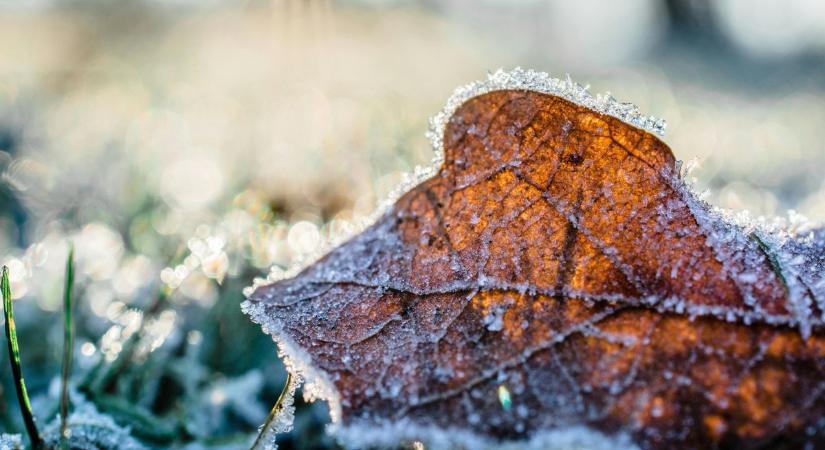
[(189, 145)]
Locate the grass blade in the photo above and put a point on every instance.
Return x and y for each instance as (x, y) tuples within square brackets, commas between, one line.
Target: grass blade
[(260, 442), (68, 346), (14, 358)]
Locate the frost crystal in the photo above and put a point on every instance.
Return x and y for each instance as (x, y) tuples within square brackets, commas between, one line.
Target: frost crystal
[(388, 435), (531, 80), (90, 430), (11, 442), (283, 419)]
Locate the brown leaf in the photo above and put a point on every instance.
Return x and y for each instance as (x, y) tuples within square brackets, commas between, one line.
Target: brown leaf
[(557, 276)]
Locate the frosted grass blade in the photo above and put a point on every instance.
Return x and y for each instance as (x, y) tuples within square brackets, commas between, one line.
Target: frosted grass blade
[(265, 434)]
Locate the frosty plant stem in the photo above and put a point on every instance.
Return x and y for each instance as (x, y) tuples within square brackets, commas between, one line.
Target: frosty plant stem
[(68, 345), (260, 441), (14, 359)]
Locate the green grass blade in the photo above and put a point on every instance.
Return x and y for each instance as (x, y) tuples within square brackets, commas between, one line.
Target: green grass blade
[(14, 358), (68, 346)]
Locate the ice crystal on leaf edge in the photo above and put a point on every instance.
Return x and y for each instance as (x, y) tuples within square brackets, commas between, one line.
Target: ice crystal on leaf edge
[(778, 234)]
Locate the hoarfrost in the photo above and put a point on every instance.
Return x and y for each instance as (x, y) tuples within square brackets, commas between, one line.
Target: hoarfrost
[(390, 434), (531, 80), (90, 430), (11, 442), (315, 384), (283, 419), (413, 316)]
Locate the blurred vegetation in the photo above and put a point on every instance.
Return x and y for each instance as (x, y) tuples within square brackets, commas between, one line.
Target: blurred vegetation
[(176, 373)]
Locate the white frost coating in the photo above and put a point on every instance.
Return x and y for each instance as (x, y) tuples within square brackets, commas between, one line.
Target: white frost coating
[(780, 238), (389, 435), (11, 442), (284, 418), (90, 430), (531, 80), (316, 383)]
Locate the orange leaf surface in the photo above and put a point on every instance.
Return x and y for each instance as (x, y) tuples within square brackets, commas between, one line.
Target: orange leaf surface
[(556, 282)]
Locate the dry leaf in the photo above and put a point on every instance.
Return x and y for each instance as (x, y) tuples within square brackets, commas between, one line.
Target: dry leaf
[(556, 283)]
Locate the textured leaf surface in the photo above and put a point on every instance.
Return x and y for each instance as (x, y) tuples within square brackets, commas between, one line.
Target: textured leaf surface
[(556, 274)]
